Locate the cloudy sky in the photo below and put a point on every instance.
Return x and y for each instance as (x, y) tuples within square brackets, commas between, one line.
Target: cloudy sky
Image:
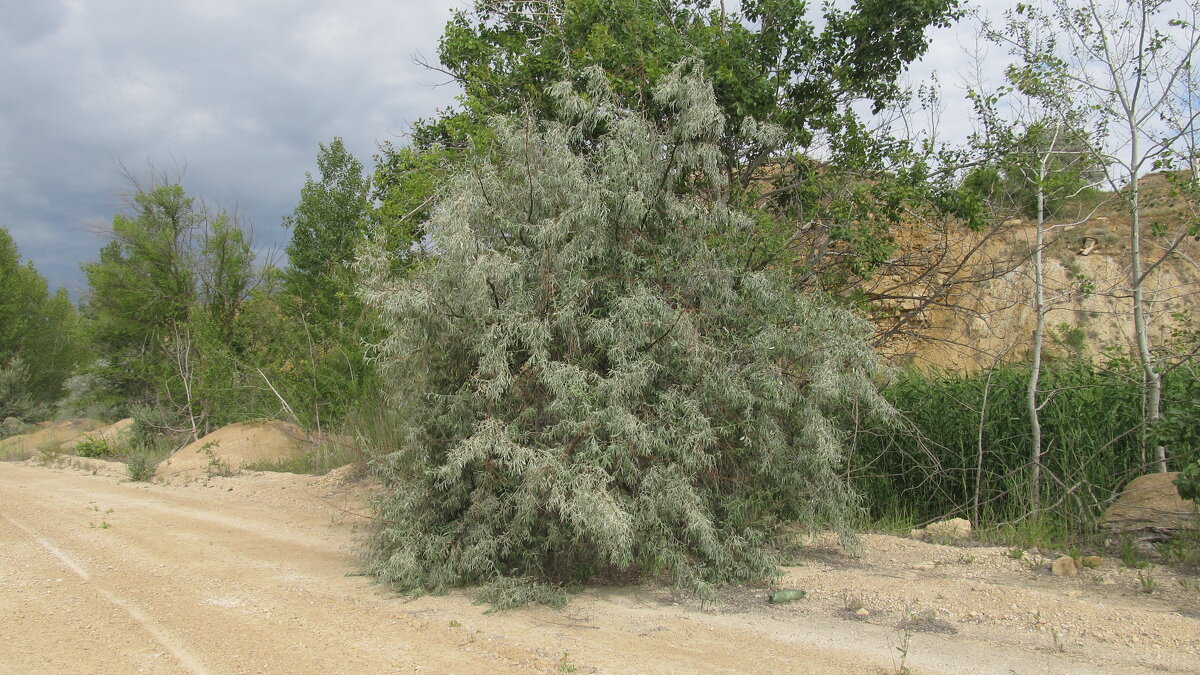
[(236, 93)]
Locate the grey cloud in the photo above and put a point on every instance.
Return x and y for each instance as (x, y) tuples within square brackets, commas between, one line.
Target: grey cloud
[(240, 93)]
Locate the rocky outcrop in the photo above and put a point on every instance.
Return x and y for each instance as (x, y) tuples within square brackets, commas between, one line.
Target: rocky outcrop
[(945, 531), (1150, 507)]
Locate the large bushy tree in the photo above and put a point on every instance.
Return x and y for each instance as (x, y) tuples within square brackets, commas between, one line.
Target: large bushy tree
[(163, 306), (585, 379)]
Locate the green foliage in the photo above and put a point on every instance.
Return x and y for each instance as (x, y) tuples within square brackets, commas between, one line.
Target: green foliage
[(806, 69), (1188, 481), (140, 465), (1041, 156), (12, 426), (1043, 532), (16, 398), (789, 63), (93, 447), (511, 592), (315, 326), (322, 460), (167, 314), (327, 227), (172, 276), (584, 384), (40, 341), (1130, 556), (152, 438), (1179, 428)]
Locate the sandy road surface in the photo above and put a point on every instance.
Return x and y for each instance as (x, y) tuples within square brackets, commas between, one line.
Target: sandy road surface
[(255, 574)]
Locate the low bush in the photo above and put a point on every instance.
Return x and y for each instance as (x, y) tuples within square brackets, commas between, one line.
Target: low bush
[(94, 447)]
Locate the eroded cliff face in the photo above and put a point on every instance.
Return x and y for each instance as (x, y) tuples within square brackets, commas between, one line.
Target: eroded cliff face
[(982, 311)]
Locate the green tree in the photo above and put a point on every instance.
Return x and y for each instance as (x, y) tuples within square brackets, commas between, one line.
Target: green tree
[(1122, 66), (327, 227), (826, 191), (1016, 180), (585, 382), (164, 300), (329, 369), (40, 343), (143, 285)]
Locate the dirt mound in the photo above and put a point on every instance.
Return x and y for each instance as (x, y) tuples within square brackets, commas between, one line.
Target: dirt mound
[(49, 436), (1151, 502), (231, 448), (115, 435)]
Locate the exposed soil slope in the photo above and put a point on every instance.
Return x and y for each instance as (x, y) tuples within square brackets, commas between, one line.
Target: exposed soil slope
[(981, 285), (254, 573), (50, 436)]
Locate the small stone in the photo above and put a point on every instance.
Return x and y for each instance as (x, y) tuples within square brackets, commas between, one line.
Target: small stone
[(1092, 561), (945, 531), (925, 566), (1064, 567), (862, 612)]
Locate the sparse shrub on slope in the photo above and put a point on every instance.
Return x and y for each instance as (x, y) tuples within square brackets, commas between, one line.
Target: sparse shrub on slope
[(585, 382)]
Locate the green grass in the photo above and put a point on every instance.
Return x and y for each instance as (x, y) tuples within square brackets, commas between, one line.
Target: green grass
[(1041, 533), (1130, 556), (1182, 549), (929, 468)]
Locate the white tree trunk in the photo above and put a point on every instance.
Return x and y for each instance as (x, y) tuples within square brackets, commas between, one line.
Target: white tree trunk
[(1039, 334)]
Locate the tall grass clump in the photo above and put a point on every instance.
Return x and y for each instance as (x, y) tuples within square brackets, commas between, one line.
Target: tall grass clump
[(958, 457), (586, 383)]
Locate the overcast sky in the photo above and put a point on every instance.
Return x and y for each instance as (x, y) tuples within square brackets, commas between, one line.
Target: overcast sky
[(237, 93)]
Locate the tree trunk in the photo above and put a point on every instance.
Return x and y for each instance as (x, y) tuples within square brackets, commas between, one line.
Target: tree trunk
[(1151, 379), (1039, 334)]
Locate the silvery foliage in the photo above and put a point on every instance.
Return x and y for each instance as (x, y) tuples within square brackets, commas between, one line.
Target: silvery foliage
[(586, 383)]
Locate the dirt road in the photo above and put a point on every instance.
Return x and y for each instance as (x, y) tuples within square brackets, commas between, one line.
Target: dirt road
[(255, 573)]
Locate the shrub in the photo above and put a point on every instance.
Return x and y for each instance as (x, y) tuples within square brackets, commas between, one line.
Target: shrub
[(93, 447), (586, 382)]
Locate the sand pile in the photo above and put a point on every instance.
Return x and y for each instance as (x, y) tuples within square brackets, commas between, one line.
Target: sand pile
[(115, 435), (231, 448), (47, 436)]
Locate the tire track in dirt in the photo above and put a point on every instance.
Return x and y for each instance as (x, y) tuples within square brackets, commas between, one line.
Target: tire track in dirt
[(159, 633), (240, 582)]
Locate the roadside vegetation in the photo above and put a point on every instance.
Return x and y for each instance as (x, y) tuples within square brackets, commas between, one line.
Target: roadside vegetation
[(620, 310)]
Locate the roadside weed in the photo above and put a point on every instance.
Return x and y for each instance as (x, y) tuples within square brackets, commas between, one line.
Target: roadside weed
[(1130, 556)]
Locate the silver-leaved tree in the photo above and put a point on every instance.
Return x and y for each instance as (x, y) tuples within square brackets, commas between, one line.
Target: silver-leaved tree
[(585, 381)]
